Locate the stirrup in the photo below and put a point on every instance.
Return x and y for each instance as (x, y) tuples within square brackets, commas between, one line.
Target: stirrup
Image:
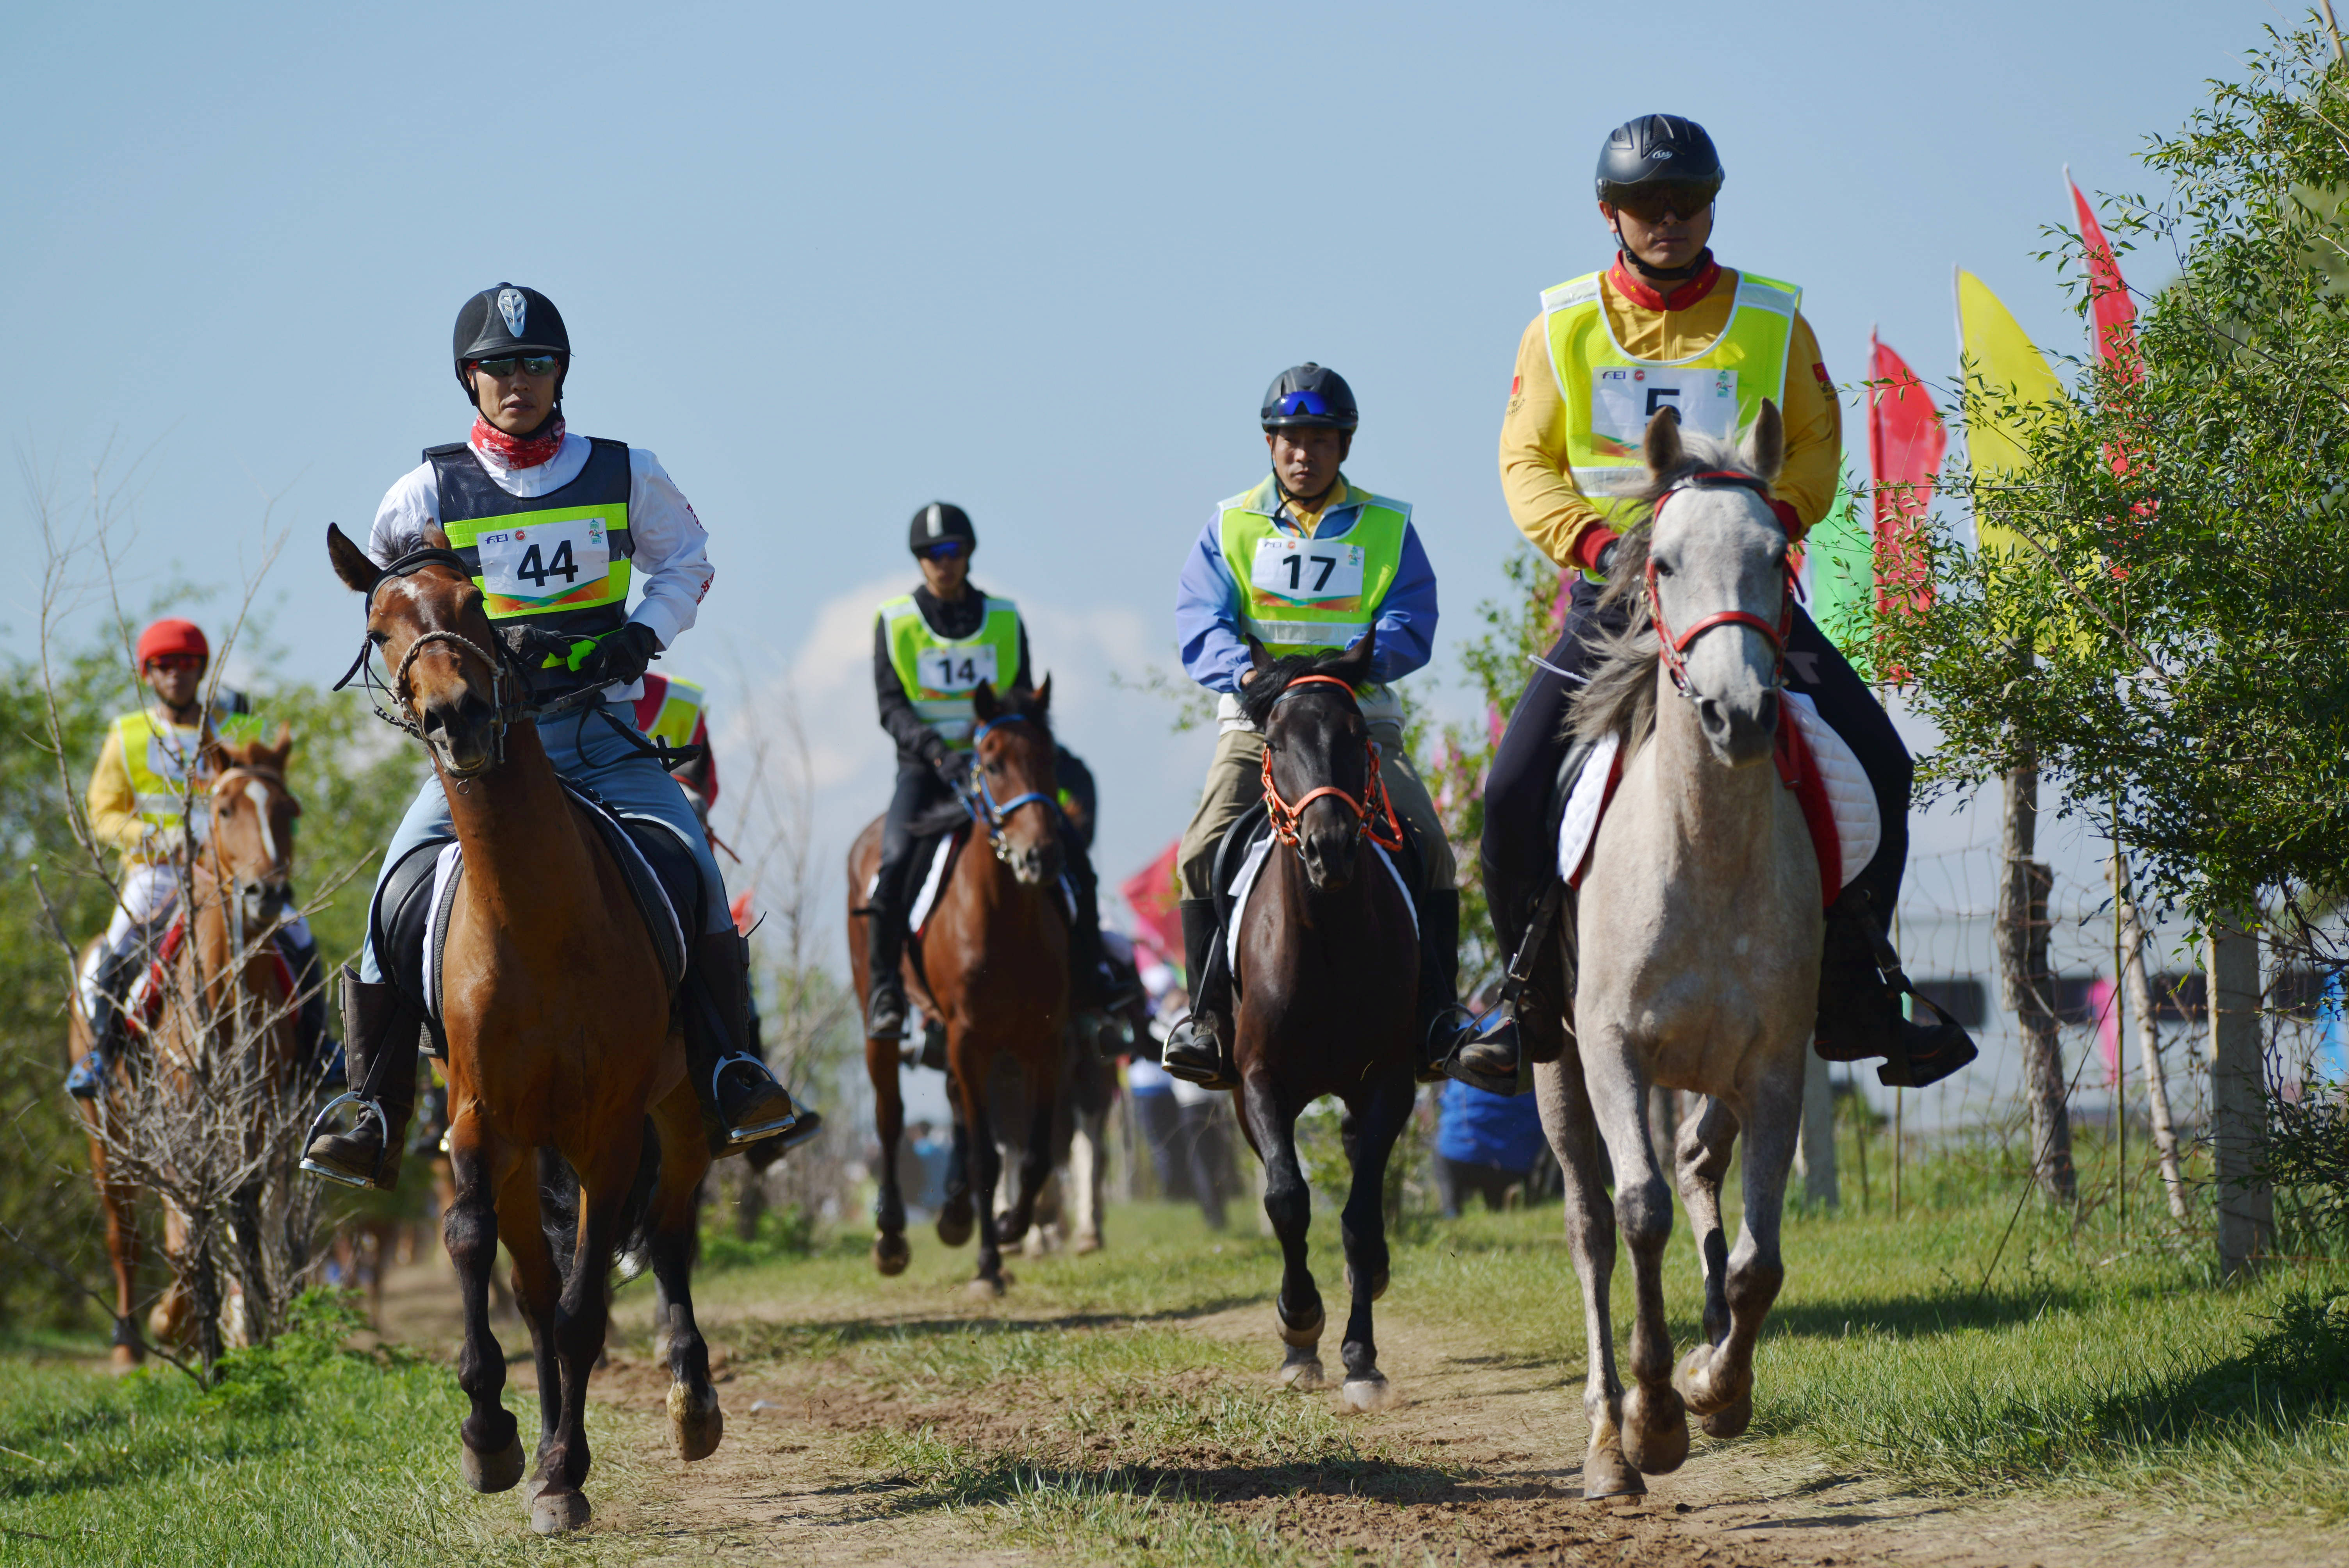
[(1217, 1078), (1498, 1024), (736, 1137), (317, 1129), (86, 1082), (1446, 1032)]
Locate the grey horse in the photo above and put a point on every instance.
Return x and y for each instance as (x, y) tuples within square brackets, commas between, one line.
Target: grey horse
[(1698, 935)]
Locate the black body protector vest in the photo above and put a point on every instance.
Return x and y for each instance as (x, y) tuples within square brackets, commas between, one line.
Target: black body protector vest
[(560, 559)]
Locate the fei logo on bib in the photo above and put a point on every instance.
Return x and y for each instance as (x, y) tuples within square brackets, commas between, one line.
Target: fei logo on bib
[(1624, 398), (544, 565)]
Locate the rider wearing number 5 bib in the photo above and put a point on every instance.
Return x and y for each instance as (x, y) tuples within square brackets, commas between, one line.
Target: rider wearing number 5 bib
[(557, 528), (1666, 327), (1305, 563)]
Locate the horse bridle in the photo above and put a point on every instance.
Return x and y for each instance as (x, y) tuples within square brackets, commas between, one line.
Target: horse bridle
[(986, 808), (1285, 815), (259, 892), (1673, 649)]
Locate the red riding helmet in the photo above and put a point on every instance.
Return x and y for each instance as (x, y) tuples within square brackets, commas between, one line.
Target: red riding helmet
[(173, 636)]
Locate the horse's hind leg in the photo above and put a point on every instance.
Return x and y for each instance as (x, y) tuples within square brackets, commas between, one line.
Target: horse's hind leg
[(890, 1253), (122, 1252), (1717, 1379), (1701, 1159), (694, 1418), (1025, 1218), (491, 1451), (1573, 1135), (975, 1133), (1271, 1129), (956, 1220), (537, 1290), (580, 1323), (1362, 1225)]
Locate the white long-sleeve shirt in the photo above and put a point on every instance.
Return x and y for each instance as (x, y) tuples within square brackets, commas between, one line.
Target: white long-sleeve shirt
[(671, 565)]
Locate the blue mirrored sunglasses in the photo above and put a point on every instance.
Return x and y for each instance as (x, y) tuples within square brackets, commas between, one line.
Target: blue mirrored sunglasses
[(944, 549), (1303, 403)]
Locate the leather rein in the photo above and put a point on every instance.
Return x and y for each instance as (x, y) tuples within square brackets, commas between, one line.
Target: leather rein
[(1673, 648), (1368, 811)]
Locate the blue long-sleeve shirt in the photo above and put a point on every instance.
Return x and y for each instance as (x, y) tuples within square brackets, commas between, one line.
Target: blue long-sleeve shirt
[(1207, 601)]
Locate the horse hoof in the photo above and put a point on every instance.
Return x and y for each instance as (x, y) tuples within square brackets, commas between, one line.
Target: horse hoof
[(559, 1513), (1084, 1244), (491, 1472), (696, 1421), (956, 1224), (891, 1254), (1306, 1337), (125, 1358), (1604, 1474), (985, 1289), (1655, 1430), (1301, 1371), (1732, 1420), (1369, 1394)]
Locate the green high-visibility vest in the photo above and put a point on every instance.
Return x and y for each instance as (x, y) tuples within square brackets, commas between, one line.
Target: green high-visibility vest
[(165, 762), (1612, 396), (1301, 595), (940, 673)]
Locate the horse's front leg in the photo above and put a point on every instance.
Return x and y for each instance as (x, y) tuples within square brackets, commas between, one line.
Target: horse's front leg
[(491, 1451), (537, 1290), (1362, 1226), (975, 1134), (1086, 1160), (581, 1322), (1717, 1379), (695, 1422), (1035, 1162), (122, 1251), (956, 1220), (1655, 1422), (1573, 1131), (1272, 1127), (890, 1253), (1700, 1159)]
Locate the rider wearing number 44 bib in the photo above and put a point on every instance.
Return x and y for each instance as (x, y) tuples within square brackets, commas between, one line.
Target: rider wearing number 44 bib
[(1305, 563), (931, 649), (557, 528), (1667, 327)]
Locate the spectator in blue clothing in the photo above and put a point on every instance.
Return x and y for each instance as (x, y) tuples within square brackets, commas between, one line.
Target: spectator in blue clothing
[(1486, 1144)]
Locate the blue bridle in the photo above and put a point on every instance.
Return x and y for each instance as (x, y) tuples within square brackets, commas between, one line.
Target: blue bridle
[(998, 811)]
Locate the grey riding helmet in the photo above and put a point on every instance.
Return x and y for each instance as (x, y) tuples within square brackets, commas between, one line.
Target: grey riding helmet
[(938, 523), (1657, 153), (1310, 395), (508, 319)]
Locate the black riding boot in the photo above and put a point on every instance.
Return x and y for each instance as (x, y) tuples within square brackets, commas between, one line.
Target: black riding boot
[(380, 1033), (1439, 979), (739, 1097), (1198, 1050), (1860, 986), (1487, 1052), (884, 986), (110, 1030)]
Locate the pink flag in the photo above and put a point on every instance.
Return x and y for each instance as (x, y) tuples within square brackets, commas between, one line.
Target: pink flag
[(1904, 444), (2108, 295)]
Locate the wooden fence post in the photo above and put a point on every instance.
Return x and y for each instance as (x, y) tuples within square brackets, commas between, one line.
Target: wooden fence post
[(2237, 1097)]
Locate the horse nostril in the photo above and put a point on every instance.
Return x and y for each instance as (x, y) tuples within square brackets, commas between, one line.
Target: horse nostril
[(1709, 715)]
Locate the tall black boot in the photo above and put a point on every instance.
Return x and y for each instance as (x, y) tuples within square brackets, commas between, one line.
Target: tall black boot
[(380, 1035), (885, 955), (1199, 1050), (1439, 979), (1486, 1054), (1861, 984), (738, 1095), (110, 1030)]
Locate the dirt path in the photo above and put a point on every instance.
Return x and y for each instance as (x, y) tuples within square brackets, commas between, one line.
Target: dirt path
[(1497, 1481)]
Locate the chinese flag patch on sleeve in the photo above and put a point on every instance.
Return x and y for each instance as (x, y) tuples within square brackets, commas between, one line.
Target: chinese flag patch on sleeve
[(1821, 372)]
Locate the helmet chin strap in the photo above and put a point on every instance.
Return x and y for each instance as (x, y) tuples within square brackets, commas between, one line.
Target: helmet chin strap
[(1679, 275)]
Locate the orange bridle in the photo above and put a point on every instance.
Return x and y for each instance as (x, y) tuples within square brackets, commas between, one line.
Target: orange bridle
[(1370, 810)]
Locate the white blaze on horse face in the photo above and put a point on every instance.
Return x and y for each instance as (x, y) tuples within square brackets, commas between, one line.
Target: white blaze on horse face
[(258, 793)]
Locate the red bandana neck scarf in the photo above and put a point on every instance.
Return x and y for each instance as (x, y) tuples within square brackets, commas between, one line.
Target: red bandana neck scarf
[(514, 451)]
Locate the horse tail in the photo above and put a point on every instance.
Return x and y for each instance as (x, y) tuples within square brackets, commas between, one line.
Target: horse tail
[(558, 1211)]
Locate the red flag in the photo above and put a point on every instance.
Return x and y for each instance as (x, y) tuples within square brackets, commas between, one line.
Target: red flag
[(2108, 295), (1152, 893), (1905, 443)]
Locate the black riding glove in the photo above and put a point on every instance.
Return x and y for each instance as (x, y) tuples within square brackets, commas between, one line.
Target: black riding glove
[(620, 656), (944, 760), (1606, 561)]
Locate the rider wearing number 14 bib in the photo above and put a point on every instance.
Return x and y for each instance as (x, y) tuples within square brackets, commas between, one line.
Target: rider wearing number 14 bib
[(1666, 327), (556, 528)]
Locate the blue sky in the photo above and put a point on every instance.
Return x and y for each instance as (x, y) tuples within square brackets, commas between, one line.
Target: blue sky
[(830, 262)]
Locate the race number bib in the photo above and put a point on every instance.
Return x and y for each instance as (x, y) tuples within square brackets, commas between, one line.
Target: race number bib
[(1624, 398), (544, 562), (1307, 571), (956, 669)]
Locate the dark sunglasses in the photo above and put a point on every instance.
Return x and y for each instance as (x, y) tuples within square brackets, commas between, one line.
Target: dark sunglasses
[(532, 365), (944, 549), (1675, 201), (176, 661)]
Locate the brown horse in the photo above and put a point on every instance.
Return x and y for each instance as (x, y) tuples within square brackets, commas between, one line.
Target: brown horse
[(1327, 981), (223, 983), (993, 964), (556, 1012)]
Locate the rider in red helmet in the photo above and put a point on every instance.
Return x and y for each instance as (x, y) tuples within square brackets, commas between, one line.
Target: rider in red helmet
[(1667, 326)]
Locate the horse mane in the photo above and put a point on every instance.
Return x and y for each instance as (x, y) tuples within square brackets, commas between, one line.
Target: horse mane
[(1621, 697), (1257, 696)]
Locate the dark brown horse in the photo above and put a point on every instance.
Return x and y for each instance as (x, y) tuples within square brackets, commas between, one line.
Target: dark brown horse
[(1327, 984), (993, 964), (556, 1011), (223, 980)]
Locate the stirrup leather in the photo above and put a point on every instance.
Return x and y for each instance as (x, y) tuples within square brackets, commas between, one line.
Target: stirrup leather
[(318, 1130)]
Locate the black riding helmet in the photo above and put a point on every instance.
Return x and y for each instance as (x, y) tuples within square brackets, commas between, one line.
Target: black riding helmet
[(509, 319), (937, 523), (1310, 395), (1655, 154)]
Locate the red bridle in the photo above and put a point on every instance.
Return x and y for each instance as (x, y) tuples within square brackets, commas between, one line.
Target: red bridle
[(1670, 649), (1368, 811)]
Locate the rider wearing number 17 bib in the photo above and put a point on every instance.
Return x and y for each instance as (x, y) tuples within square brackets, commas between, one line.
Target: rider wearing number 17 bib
[(1667, 326), (556, 528)]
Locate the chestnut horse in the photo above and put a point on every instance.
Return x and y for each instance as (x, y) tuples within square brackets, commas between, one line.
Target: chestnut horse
[(993, 964), (556, 1012), (224, 982), (1327, 983)]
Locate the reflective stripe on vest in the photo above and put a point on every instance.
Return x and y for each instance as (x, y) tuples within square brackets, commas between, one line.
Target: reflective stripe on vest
[(166, 763), (680, 710), (560, 559), (1611, 395), (940, 673), (1301, 595)]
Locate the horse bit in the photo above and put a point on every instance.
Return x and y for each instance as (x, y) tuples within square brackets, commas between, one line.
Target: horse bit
[(986, 808), (1673, 649), (1285, 815)]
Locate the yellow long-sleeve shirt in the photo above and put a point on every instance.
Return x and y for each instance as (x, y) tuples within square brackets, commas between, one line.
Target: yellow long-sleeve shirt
[(114, 803), (1547, 506)]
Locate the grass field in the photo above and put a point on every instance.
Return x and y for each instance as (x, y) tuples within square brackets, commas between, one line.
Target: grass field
[(1087, 1416)]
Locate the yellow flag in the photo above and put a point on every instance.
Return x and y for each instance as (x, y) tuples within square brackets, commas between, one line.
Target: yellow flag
[(1996, 353)]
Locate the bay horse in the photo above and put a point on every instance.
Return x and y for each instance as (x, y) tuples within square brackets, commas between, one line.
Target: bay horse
[(223, 989), (992, 964), (1699, 932), (561, 1046), (1327, 980)]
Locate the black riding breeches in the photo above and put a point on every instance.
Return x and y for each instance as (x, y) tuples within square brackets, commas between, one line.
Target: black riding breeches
[(919, 788), (1517, 858)]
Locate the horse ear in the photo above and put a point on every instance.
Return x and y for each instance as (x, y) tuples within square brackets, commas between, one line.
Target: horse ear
[(436, 537), (983, 703), (1044, 697), (1663, 449), (1257, 656), (280, 751), (1764, 447), (1353, 666), (351, 564)]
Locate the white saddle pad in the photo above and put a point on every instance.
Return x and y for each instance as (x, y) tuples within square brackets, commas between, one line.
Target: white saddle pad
[(1580, 823)]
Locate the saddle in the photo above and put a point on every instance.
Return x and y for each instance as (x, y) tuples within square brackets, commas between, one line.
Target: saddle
[(143, 1007), (408, 919)]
